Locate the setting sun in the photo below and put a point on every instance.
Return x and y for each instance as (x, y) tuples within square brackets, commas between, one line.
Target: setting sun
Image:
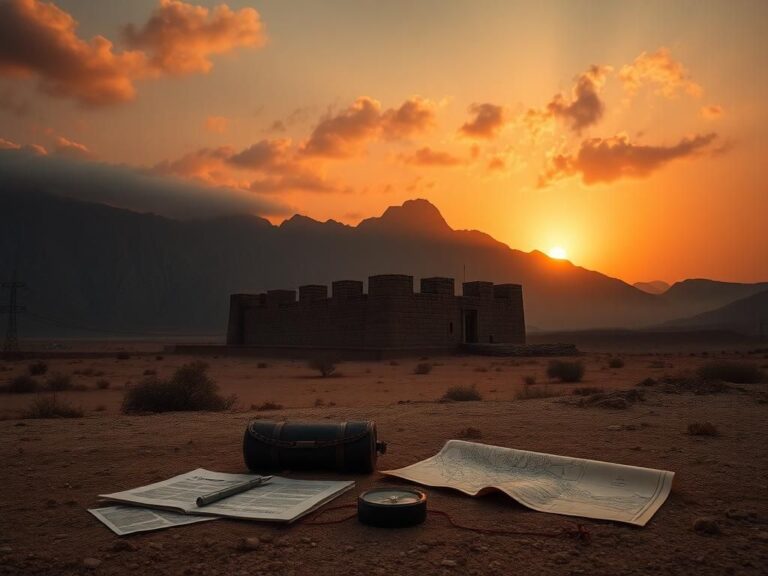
[(558, 253)]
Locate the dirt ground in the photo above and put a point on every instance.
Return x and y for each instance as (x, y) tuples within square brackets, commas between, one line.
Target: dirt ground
[(52, 470)]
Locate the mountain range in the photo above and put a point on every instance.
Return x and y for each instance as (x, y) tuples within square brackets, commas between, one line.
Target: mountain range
[(91, 266)]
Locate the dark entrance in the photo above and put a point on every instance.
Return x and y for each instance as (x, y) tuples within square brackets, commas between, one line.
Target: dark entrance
[(470, 326)]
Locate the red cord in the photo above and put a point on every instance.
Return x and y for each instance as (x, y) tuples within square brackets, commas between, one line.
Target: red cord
[(578, 531)]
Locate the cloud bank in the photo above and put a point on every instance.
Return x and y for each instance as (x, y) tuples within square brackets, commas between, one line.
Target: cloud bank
[(488, 120)]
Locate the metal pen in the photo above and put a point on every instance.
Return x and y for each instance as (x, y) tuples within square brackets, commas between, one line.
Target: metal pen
[(232, 490)]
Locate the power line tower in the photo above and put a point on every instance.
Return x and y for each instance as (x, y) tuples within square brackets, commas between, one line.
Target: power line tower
[(11, 344)]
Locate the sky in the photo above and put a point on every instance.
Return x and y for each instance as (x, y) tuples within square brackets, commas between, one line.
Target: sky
[(633, 136)]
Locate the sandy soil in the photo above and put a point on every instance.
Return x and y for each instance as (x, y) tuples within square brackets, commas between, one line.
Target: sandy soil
[(52, 470)]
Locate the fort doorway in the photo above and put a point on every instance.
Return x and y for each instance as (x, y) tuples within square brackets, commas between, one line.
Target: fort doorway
[(470, 326)]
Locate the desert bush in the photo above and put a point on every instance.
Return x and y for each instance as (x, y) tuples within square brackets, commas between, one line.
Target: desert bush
[(535, 392), (326, 365), (736, 372), (529, 380), (190, 388), (102, 384), (22, 384), (58, 382), (266, 406), (470, 433), (51, 407), (262, 365), (647, 382), (319, 402), (123, 356), (702, 429), (100, 408), (423, 368), (462, 394), (394, 363), (150, 372), (481, 369), (566, 371), (37, 368), (616, 363)]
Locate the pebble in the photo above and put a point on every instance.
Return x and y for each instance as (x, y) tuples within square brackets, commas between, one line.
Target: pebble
[(5, 549), (267, 537), (448, 563), (249, 544), (124, 546), (349, 549), (614, 427), (561, 558), (423, 549), (707, 526), (91, 563), (283, 543)]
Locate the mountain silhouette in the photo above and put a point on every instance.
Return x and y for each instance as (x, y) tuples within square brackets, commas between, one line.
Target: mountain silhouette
[(747, 316), (653, 287), (100, 267)]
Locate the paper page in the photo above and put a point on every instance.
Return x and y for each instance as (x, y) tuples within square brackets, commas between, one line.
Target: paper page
[(124, 520), (546, 482), (280, 500)]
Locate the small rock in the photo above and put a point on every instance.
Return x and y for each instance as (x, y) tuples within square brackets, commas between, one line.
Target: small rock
[(91, 563), (283, 543), (124, 546), (448, 563), (561, 558), (707, 526), (737, 514), (155, 545), (349, 548), (267, 537), (423, 548), (305, 540), (249, 544), (614, 427), (5, 549)]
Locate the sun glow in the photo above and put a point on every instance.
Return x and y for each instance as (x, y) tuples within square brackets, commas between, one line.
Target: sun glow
[(558, 253)]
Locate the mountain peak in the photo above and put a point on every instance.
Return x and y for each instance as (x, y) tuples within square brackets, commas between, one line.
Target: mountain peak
[(414, 216)]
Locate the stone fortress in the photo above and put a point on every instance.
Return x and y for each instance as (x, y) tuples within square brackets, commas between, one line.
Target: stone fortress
[(391, 317)]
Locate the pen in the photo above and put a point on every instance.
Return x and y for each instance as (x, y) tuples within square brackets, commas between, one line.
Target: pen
[(232, 490)]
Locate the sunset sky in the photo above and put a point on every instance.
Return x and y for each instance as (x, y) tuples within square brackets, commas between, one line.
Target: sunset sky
[(634, 135)]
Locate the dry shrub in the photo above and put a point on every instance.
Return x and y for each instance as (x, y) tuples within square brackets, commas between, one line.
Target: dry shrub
[(702, 429), (423, 368), (461, 394), (51, 407), (37, 368), (123, 356), (266, 406), (691, 383), (481, 369), (319, 402), (529, 380), (469, 433), (736, 372), (102, 384), (59, 382), (262, 365), (150, 372), (22, 384), (536, 392), (566, 371), (326, 365), (189, 389), (647, 382), (616, 363)]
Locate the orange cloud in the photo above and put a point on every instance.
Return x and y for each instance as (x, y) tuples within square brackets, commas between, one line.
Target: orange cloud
[(39, 39), (34, 149), (661, 70), (11, 103), (428, 157), (584, 107), (346, 133), (206, 165), (415, 116), (217, 124), (180, 38), (610, 159), (712, 111), (71, 148), (488, 121)]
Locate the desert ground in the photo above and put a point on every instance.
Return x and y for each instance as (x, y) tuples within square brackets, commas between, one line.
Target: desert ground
[(714, 522)]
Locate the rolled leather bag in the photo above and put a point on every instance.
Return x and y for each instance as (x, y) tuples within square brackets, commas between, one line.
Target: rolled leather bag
[(341, 446)]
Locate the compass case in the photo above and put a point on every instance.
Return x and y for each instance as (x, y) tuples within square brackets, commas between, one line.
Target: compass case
[(341, 446)]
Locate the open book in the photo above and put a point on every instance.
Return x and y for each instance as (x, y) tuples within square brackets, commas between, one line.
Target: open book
[(280, 500)]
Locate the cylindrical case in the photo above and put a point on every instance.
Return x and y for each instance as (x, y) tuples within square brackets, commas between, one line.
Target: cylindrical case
[(341, 446)]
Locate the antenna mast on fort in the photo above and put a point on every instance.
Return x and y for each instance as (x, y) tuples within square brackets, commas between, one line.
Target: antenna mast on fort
[(11, 344)]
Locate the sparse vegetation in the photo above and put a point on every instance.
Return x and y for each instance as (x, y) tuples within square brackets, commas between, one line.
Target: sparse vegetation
[(319, 402), (51, 407), (529, 380), (528, 392), (59, 382), (324, 364), (470, 433), (190, 388), (262, 365), (123, 356), (647, 382), (266, 406), (702, 429), (616, 363), (150, 372), (586, 390), (462, 394), (481, 369), (423, 368), (566, 371), (394, 363), (735, 372), (22, 384), (102, 384), (617, 399), (37, 368)]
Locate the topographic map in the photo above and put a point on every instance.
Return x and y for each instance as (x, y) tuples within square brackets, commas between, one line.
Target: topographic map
[(546, 482)]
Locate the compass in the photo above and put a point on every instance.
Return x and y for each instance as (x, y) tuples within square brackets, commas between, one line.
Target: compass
[(392, 507)]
